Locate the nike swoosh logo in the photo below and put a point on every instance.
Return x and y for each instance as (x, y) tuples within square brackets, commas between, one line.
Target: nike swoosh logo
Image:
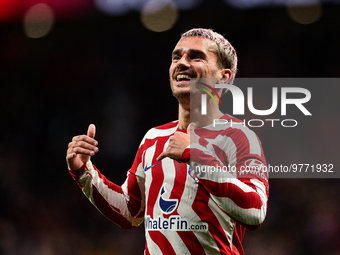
[(148, 167)]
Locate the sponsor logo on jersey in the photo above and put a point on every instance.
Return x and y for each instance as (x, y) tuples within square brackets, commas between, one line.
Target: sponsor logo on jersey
[(173, 223), (254, 163), (192, 173), (167, 205), (149, 167), (254, 167)]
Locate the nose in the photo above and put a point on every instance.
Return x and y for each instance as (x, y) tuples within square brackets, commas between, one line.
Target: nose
[(183, 63)]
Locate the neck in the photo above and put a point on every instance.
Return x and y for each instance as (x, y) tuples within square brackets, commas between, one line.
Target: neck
[(186, 115)]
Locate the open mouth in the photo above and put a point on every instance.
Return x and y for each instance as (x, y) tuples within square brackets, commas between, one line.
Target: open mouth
[(183, 77)]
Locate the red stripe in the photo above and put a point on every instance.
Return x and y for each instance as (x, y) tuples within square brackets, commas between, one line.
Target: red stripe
[(155, 186), (222, 156), (135, 200), (162, 242), (106, 209), (201, 208), (202, 158), (242, 199), (137, 161), (237, 238), (179, 183), (238, 137), (191, 242), (168, 125), (157, 177), (146, 249)]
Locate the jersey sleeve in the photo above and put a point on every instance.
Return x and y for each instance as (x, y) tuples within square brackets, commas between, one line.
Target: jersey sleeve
[(232, 168), (124, 205)]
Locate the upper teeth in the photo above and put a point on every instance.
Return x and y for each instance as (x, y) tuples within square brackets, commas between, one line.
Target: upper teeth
[(183, 76)]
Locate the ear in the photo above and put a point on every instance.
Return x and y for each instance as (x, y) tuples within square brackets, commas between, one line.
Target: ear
[(226, 74), (226, 77)]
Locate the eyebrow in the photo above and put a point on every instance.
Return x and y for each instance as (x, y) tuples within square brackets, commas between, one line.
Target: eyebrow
[(191, 51)]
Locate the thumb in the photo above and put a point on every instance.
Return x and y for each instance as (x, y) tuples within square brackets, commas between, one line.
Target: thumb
[(91, 131), (191, 128), (191, 132)]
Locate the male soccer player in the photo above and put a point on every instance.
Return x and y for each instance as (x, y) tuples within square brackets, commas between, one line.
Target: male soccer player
[(186, 208)]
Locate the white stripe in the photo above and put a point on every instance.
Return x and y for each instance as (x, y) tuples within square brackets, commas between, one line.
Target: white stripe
[(261, 190), (253, 142), (169, 176), (147, 175), (176, 242), (148, 181), (113, 198), (170, 173), (231, 149), (251, 136), (141, 186), (140, 170), (228, 146), (149, 154), (185, 210), (224, 220), (155, 133), (250, 216), (260, 187)]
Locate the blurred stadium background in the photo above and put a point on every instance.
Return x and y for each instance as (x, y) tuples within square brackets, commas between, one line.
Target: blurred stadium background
[(67, 63)]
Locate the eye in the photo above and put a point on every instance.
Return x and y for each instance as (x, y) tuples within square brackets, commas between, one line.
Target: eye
[(196, 56), (176, 57)]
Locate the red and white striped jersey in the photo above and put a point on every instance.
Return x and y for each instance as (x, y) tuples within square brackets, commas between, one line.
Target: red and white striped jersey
[(201, 208)]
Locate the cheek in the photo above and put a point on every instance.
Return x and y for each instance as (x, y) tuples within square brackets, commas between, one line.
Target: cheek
[(203, 70), (171, 70), (212, 71)]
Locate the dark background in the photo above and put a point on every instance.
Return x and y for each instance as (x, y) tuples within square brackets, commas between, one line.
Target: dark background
[(112, 71)]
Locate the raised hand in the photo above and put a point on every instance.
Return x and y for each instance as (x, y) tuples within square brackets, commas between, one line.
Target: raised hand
[(178, 142), (82, 148)]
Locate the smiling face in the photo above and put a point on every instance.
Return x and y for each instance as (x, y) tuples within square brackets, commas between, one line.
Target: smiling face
[(193, 57)]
